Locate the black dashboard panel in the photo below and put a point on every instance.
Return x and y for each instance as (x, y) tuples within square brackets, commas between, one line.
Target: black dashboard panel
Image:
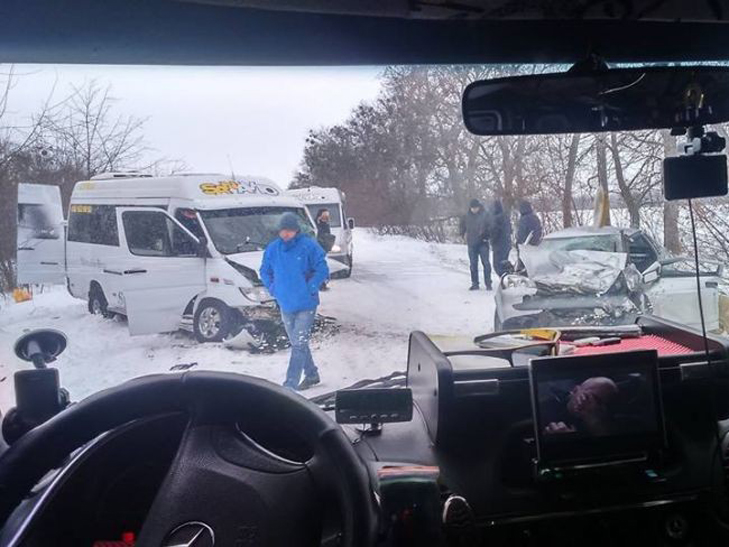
[(480, 421)]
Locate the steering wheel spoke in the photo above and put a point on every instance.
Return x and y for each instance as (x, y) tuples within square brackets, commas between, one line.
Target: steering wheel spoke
[(222, 483)]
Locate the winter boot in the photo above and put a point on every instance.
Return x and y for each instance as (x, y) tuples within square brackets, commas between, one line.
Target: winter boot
[(309, 381)]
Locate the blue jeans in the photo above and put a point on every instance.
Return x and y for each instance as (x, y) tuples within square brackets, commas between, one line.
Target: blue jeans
[(298, 328)]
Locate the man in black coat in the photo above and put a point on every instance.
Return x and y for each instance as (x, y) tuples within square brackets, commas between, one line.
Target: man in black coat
[(500, 237), (529, 223), (475, 227)]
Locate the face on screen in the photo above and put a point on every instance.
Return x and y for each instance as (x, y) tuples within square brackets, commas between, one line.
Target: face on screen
[(597, 405)]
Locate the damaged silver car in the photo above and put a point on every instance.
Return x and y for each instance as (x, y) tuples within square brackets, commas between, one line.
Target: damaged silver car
[(602, 276)]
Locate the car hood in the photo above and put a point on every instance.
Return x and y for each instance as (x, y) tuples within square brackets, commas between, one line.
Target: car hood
[(574, 272), (250, 259)]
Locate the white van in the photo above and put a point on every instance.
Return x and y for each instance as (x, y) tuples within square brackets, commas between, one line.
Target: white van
[(167, 252), (333, 200)]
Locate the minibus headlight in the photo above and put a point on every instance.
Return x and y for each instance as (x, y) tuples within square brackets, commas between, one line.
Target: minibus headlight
[(256, 294)]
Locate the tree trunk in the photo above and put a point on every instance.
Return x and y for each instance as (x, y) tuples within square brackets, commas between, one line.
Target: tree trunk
[(630, 202), (671, 237), (602, 171), (569, 180)]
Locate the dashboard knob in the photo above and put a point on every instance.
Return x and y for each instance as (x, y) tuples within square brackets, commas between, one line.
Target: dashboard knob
[(457, 512)]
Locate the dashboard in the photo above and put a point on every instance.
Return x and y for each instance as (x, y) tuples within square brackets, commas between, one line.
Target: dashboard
[(467, 468)]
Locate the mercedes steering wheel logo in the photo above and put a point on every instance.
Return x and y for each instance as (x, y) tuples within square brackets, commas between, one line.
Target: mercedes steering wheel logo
[(190, 534)]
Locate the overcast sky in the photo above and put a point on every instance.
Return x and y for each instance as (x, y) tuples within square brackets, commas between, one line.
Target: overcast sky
[(253, 118)]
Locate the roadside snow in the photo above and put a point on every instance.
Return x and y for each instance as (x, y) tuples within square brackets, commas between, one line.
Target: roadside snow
[(398, 285)]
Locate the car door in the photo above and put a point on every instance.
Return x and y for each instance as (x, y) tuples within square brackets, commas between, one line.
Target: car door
[(673, 294), (40, 238), (161, 271), (641, 251)]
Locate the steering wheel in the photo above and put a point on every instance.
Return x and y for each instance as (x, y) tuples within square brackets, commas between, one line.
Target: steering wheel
[(222, 488)]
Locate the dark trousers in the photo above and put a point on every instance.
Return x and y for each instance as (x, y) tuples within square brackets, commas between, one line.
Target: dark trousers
[(501, 256), (476, 252)]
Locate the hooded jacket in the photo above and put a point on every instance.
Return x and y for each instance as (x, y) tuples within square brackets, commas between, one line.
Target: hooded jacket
[(500, 226), (529, 223), (293, 272)]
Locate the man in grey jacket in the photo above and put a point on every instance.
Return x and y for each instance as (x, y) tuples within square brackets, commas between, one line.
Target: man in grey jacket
[(475, 227)]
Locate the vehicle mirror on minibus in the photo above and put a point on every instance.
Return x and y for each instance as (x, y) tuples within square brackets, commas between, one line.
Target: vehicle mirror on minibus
[(350, 223)]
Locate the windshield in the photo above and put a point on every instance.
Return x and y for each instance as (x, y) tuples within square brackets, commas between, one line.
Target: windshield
[(335, 217), (446, 224), (248, 229)]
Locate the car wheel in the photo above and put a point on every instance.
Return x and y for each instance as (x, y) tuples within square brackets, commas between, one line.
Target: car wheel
[(98, 305), (213, 321), (497, 322)]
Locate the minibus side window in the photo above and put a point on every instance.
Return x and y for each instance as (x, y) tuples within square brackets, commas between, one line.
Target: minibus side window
[(151, 233), (93, 224)]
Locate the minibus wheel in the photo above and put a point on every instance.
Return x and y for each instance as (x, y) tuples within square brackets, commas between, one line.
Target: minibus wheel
[(98, 305), (213, 321)]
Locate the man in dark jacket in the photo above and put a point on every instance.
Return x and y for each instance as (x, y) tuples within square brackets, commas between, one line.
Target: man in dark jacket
[(500, 237), (324, 234), (324, 230), (529, 223), (475, 227), (293, 269)]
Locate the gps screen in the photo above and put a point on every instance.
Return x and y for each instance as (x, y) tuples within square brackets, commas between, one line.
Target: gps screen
[(596, 407)]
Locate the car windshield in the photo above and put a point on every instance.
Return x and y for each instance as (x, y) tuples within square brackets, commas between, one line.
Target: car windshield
[(145, 244), (248, 229)]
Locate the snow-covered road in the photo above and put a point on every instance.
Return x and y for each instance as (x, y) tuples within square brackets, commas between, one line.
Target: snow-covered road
[(398, 285)]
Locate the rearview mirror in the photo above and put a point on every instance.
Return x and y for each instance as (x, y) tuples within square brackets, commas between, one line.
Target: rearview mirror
[(608, 100)]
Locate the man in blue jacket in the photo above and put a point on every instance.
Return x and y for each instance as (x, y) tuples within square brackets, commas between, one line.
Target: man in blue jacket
[(293, 270)]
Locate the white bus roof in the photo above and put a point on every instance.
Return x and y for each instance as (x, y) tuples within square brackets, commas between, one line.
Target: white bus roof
[(317, 194), (212, 191)]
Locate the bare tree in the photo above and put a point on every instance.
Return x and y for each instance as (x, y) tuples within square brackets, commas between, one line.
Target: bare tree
[(92, 136), (602, 167), (67, 141)]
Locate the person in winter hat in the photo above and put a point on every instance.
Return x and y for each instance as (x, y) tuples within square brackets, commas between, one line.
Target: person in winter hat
[(293, 270), (475, 228), (500, 237), (529, 224), (324, 234)]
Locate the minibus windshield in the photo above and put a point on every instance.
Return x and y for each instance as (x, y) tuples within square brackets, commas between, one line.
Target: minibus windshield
[(249, 228)]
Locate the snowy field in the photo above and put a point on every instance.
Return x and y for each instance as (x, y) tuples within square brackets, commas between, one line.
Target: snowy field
[(398, 285)]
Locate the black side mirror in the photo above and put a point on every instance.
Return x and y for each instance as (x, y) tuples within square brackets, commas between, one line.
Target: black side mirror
[(202, 246), (350, 223)]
